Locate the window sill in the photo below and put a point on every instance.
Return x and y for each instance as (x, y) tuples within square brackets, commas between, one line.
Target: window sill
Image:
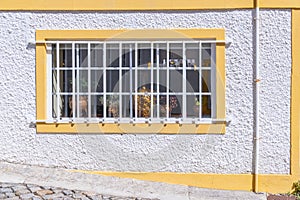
[(217, 127)]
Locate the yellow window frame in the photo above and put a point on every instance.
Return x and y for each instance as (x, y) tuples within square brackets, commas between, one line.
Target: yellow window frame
[(143, 5), (41, 81)]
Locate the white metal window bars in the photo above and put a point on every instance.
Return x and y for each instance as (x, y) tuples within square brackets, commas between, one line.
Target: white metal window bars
[(66, 107)]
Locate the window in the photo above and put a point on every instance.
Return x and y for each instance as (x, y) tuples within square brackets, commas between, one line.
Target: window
[(125, 81)]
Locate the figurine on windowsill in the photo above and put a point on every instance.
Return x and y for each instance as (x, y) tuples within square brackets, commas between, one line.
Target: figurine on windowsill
[(83, 106), (144, 103), (175, 110)]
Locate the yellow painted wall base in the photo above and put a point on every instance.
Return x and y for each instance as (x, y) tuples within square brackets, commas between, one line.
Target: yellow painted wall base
[(267, 183)]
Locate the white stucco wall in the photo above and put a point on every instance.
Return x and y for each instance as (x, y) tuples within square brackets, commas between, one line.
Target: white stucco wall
[(229, 153)]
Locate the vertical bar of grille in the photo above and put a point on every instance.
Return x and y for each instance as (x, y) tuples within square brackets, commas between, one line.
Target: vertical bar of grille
[(120, 80), (104, 80), (131, 84), (58, 81), (151, 65), (77, 81), (89, 80), (183, 106), (200, 79), (136, 81), (157, 79), (73, 81), (168, 79)]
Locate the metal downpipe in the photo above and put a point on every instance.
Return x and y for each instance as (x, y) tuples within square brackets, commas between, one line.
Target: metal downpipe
[(257, 89)]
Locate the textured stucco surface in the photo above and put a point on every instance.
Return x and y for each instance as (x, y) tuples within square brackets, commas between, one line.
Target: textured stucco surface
[(229, 153)]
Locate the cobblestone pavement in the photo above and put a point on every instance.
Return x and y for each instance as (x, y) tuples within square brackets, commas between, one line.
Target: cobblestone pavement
[(14, 191)]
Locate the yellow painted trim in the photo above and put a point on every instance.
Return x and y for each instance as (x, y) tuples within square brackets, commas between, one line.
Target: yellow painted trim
[(279, 4), (118, 5), (41, 81), (268, 183), (44, 35), (123, 4), (220, 81), (130, 128), (295, 93)]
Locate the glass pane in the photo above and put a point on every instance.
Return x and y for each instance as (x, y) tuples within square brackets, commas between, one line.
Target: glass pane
[(112, 103), (192, 55), (65, 55), (54, 81), (162, 106), (206, 106), (83, 81), (83, 106), (126, 81), (192, 83), (192, 106), (175, 106), (96, 81), (112, 80), (96, 55), (54, 106), (126, 105), (128, 55), (155, 80), (206, 57), (81, 55), (160, 55), (163, 81), (54, 56), (206, 81), (65, 80), (176, 80), (66, 105), (144, 79), (175, 53), (112, 55), (97, 106), (144, 55), (144, 105)]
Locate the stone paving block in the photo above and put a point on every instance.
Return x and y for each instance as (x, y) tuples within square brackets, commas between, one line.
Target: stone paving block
[(13, 198), (5, 190), (19, 187), (57, 190), (78, 195), (43, 192), (89, 193), (10, 194), (117, 198), (34, 188), (36, 198), (20, 192), (67, 192), (67, 198), (53, 196), (95, 197), (26, 196)]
